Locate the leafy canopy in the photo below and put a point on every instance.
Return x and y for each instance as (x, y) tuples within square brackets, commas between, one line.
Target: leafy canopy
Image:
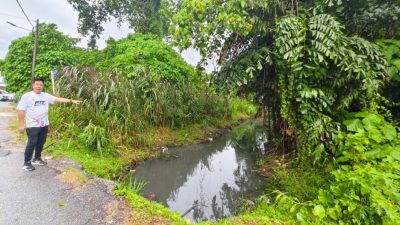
[(366, 188), (54, 49), (370, 19), (303, 69), (391, 51), (138, 55), (144, 16)]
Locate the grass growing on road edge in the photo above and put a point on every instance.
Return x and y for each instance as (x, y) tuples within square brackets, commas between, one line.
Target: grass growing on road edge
[(147, 210)]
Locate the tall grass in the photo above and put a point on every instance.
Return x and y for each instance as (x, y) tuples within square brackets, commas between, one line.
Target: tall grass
[(126, 107)]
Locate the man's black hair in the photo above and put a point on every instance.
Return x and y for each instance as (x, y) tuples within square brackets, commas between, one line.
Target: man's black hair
[(38, 79)]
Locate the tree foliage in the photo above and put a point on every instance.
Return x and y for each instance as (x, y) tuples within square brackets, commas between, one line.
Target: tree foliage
[(144, 16), (367, 178), (371, 19), (304, 70), (391, 51), (1, 64), (308, 72), (138, 55), (54, 49)]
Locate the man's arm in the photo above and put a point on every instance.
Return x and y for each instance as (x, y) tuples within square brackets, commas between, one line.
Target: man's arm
[(21, 121), (66, 100)]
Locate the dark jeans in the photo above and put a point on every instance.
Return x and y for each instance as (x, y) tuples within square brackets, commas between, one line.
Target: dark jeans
[(36, 139)]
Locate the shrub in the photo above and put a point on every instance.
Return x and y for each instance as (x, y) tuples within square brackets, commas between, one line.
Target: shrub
[(367, 181)]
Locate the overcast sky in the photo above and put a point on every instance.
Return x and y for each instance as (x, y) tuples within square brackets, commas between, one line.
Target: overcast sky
[(60, 13)]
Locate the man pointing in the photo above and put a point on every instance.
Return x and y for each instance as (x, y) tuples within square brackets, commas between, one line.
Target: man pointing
[(33, 118)]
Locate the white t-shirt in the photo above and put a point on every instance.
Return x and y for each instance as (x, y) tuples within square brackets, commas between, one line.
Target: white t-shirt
[(36, 107)]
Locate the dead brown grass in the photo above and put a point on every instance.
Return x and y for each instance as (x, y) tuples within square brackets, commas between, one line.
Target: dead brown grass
[(74, 177)]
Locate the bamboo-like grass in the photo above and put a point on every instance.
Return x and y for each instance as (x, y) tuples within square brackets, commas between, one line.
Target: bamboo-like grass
[(126, 107)]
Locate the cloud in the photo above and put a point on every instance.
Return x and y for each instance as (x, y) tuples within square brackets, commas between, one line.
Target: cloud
[(49, 11)]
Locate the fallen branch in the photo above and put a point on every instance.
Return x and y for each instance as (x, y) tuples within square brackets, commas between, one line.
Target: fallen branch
[(195, 204)]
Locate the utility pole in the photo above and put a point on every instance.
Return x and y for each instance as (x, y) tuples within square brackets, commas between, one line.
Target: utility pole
[(35, 45)]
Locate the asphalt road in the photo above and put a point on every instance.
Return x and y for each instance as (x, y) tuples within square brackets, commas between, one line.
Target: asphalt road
[(39, 197)]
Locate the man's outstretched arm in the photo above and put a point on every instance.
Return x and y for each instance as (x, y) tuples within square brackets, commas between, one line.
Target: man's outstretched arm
[(21, 121), (66, 100)]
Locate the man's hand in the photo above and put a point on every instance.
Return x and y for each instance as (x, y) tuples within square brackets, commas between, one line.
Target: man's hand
[(21, 129), (76, 102), (66, 100)]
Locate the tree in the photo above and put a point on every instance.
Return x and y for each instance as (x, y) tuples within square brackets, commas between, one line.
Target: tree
[(371, 19), (1, 64), (391, 50), (54, 49), (144, 16), (303, 69), (138, 54)]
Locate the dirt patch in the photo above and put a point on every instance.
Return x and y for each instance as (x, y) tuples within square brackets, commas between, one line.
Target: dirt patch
[(9, 108), (139, 220), (253, 222), (240, 222), (121, 211), (118, 210), (74, 177), (163, 135)]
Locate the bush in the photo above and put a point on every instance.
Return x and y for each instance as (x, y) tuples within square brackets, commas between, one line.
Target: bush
[(94, 137), (125, 108), (140, 54), (366, 189)]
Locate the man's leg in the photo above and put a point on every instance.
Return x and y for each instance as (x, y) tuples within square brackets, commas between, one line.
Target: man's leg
[(42, 136), (33, 136)]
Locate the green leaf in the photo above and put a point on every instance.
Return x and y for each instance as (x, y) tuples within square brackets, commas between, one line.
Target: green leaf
[(332, 213), (396, 62), (325, 197), (300, 216), (373, 119), (319, 211), (353, 125), (395, 154), (360, 114), (389, 131), (393, 72), (372, 154), (61, 204)]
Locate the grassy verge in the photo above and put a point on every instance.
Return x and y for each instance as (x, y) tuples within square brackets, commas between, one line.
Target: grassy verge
[(299, 179)]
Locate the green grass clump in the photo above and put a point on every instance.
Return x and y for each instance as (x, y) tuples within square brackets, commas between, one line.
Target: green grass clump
[(146, 209), (301, 180), (105, 166)]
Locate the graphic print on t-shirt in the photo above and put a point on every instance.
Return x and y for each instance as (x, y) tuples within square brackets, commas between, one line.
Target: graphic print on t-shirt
[(41, 118), (37, 103), (36, 107)]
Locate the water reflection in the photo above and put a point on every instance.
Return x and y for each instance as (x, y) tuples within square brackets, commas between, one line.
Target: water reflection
[(209, 178)]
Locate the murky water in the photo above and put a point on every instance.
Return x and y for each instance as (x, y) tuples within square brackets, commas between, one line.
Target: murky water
[(211, 180)]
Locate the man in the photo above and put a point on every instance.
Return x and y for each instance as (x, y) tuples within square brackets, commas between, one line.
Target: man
[(33, 108)]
